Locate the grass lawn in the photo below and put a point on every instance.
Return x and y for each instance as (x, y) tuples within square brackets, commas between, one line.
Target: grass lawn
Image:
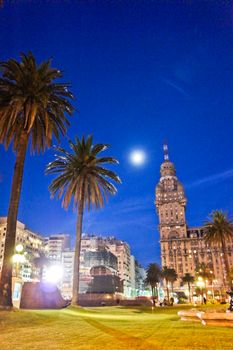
[(113, 328)]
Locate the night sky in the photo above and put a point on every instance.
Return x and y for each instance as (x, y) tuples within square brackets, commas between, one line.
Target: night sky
[(142, 72)]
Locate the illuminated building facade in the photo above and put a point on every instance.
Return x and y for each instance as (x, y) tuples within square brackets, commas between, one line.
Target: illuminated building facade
[(140, 276), (105, 262), (68, 271), (183, 248), (122, 251), (106, 255), (32, 243), (55, 245)]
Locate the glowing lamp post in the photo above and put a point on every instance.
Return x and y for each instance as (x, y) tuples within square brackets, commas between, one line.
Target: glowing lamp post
[(19, 248), (18, 258)]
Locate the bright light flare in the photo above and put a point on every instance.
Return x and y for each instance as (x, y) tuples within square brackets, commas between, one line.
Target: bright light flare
[(54, 274), (19, 248), (200, 283), (137, 157)]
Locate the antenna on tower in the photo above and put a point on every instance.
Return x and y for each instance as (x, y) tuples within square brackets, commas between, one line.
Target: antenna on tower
[(165, 150)]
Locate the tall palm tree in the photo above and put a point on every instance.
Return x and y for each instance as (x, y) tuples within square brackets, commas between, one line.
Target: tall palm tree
[(33, 108), (82, 177), (219, 230), (153, 276), (169, 275), (188, 279)]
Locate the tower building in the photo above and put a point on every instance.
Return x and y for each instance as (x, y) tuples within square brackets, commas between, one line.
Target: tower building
[(170, 201), (183, 248)]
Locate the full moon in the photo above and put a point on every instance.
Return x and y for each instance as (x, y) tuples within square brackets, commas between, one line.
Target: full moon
[(137, 157)]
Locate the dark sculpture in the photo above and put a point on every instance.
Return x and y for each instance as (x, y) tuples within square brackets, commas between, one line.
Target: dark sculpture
[(41, 295), (230, 292)]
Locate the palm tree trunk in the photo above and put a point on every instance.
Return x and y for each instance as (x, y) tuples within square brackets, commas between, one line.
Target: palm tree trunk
[(205, 288), (226, 263), (6, 275), (77, 250), (157, 291), (172, 288), (189, 288), (168, 297), (152, 291)]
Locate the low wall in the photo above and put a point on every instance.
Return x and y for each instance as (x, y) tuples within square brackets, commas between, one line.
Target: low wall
[(208, 318), (109, 300)]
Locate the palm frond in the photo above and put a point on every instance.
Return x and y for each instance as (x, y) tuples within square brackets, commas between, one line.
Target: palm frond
[(78, 170), (218, 228), (31, 101)]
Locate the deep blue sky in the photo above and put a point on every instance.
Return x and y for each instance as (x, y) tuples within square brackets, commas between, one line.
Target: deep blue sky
[(142, 72)]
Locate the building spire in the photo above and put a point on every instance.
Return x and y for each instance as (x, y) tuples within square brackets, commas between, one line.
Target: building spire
[(165, 150)]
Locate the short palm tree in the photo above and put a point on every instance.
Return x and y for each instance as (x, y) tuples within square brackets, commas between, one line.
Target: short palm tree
[(204, 272), (153, 276), (173, 278), (33, 108), (169, 275), (188, 279), (82, 177), (219, 230)]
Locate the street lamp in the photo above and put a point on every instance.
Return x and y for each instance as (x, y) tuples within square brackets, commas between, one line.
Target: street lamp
[(19, 248), (18, 258)]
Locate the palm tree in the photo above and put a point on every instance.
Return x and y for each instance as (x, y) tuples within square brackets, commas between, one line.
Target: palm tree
[(33, 110), (188, 279), (219, 230), (82, 177), (169, 275), (153, 276), (173, 278), (204, 272)]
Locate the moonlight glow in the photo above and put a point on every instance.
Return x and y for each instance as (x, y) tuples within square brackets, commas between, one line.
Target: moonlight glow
[(137, 157)]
